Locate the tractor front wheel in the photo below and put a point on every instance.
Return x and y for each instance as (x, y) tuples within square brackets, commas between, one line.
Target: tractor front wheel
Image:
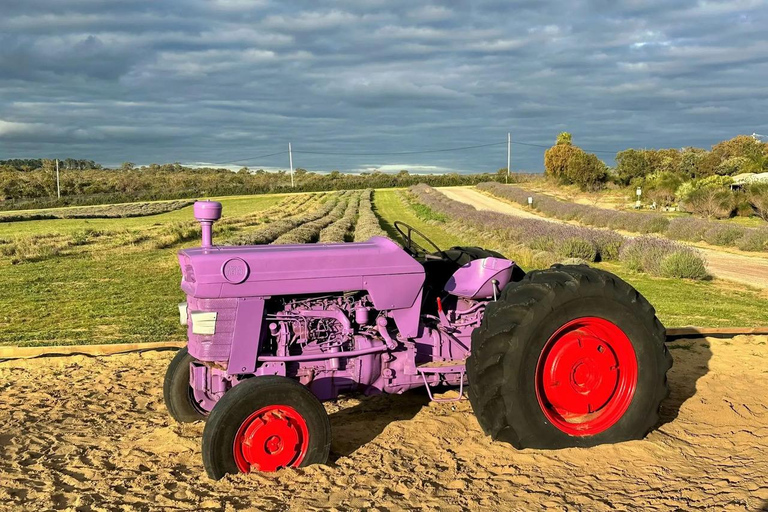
[(264, 424), (177, 393), (569, 356)]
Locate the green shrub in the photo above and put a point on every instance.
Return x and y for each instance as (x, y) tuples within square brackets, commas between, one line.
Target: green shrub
[(577, 248), (744, 209), (657, 224), (710, 202), (661, 257), (542, 243), (544, 259), (758, 196), (683, 264), (723, 235), (755, 240)]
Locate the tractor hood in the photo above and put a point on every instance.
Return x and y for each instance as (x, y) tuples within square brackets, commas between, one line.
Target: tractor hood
[(380, 266)]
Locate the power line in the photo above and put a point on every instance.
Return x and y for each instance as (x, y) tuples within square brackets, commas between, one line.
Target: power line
[(250, 158), (547, 147), (395, 153), (388, 153)]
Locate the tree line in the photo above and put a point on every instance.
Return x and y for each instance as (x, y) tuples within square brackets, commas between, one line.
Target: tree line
[(36, 188), (694, 179), (31, 164), (569, 164)]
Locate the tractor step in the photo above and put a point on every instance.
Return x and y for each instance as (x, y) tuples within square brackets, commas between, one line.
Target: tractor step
[(443, 368)]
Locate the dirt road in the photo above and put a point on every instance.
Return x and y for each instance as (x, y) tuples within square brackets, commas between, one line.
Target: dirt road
[(80, 433), (725, 265)]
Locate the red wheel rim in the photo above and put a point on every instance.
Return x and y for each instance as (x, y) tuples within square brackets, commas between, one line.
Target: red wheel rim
[(271, 438), (586, 376)]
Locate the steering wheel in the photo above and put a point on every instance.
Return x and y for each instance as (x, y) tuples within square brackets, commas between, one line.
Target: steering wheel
[(415, 249)]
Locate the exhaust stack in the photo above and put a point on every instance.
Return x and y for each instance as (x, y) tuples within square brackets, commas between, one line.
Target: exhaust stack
[(206, 213)]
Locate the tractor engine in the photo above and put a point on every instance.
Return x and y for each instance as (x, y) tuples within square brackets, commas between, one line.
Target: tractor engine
[(322, 326), (319, 324)]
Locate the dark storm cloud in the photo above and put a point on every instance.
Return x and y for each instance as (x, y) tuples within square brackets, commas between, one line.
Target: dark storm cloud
[(219, 80)]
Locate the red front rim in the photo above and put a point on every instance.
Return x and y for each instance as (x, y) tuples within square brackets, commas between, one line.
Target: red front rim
[(271, 438), (586, 376)]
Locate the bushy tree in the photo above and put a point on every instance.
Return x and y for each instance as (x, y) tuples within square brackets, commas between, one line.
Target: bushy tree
[(752, 151), (569, 164), (586, 170), (556, 161), (690, 161), (734, 165), (631, 164), (662, 186), (668, 160), (710, 197)]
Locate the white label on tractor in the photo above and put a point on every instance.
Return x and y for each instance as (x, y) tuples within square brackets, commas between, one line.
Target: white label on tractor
[(203, 322)]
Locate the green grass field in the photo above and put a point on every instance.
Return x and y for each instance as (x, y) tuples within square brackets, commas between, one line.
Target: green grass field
[(102, 292), (99, 294)]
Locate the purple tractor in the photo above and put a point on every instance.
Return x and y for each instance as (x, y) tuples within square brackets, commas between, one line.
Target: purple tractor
[(568, 356)]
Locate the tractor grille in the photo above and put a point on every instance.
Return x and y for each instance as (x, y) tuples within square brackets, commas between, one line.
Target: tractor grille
[(216, 346)]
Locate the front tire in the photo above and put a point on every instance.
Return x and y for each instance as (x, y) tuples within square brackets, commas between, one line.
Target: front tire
[(569, 356), (177, 393), (264, 424)]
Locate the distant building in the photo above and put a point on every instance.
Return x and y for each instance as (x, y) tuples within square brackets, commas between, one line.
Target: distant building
[(747, 178)]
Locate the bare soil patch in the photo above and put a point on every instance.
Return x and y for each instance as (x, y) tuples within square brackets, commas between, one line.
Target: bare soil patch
[(92, 433)]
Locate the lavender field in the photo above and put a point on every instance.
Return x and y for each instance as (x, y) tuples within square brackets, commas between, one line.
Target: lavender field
[(691, 229), (557, 241)]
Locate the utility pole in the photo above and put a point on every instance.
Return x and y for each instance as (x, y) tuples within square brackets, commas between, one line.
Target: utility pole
[(58, 187), (509, 153), (290, 161)]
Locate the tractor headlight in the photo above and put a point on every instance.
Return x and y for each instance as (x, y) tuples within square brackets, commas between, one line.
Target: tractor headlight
[(203, 322), (183, 313)]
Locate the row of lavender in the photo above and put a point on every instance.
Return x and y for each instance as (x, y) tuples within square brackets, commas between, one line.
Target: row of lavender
[(43, 246), (300, 218), (649, 254), (367, 222), (112, 211), (340, 217), (690, 229)]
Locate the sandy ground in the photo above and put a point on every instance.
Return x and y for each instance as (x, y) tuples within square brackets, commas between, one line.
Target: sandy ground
[(80, 433), (725, 265)]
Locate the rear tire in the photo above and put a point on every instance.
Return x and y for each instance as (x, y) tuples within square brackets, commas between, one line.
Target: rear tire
[(177, 393), (569, 356), (263, 424)]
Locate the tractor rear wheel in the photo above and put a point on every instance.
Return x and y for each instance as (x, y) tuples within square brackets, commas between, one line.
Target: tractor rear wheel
[(569, 356), (177, 393), (264, 424)]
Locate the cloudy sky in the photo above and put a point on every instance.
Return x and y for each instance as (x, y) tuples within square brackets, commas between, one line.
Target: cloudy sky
[(221, 80)]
